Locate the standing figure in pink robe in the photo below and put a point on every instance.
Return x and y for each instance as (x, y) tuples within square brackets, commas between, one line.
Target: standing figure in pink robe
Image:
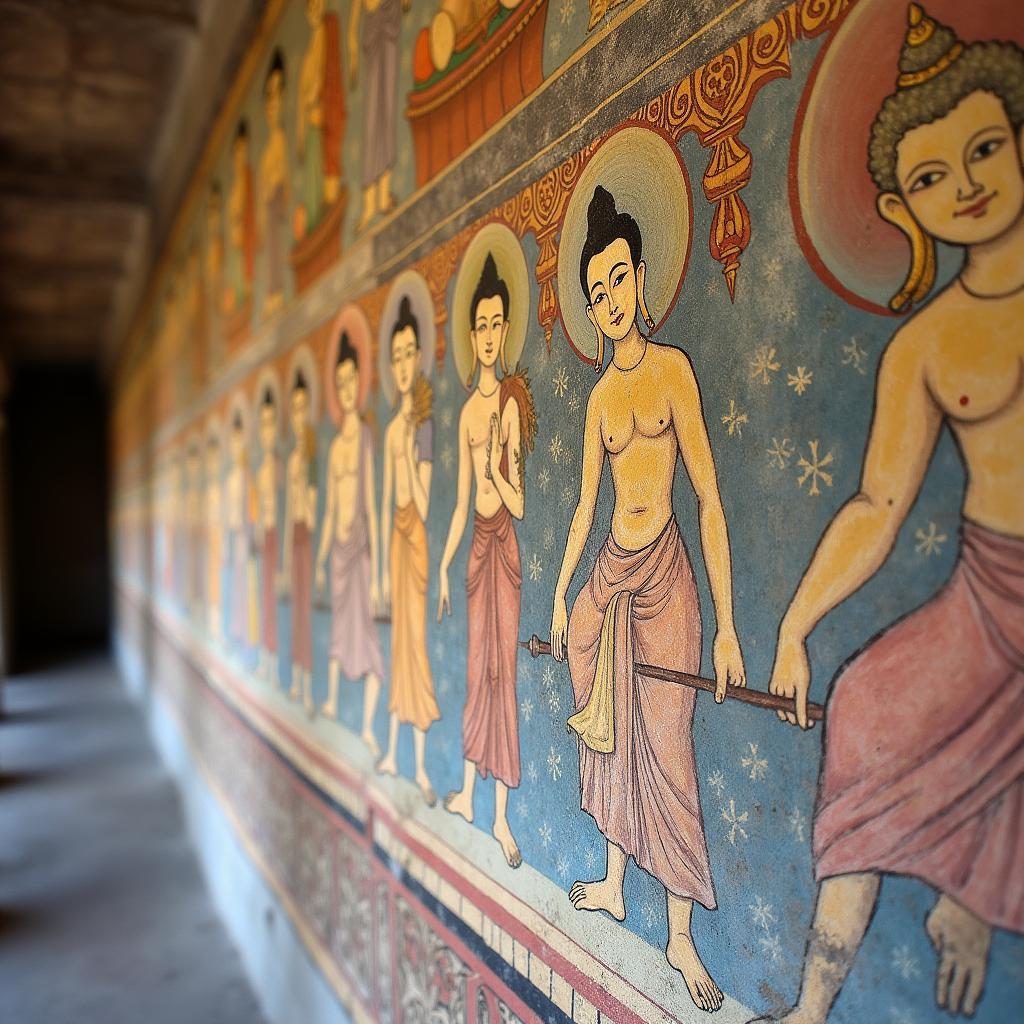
[(923, 771), (496, 429), (637, 767)]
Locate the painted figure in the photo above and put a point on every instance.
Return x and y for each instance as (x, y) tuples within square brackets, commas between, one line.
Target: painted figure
[(272, 208), (320, 125), (194, 527), (213, 274), (214, 536), (299, 523), (637, 769), (381, 22), (408, 458), (241, 250), (496, 428), (237, 517), (923, 771), (267, 534), (349, 535)]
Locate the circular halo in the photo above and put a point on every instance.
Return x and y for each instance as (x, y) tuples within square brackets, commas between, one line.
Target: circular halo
[(646, 176), (353, 321), (302, 359), (861, 257), (269, 380), (410, 283), (499, 241)]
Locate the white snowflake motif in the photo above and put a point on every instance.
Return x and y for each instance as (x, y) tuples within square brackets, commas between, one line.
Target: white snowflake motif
[(562, 867), (735, 822), (716, 780), (855, 356), (780, 452), (554, 699), (814, 469), (771, 948), (442, 385), (575, 400), (734, 419), (566, 9), (764, 364), (527, 709), (649, 913), (772, 268), (549, 538), (446, 417), (568, 498), (556, 449), (556, 41), (545, 835), (801, 380), (902, 1016), (560, 382), (797, 822), (543, 479), (762, 914), (531, 772), (447, 456), (758, 765), (535, 567), (788, 311), (930, 541), (548, 680), (905, 963), (554, 764), (522, 809), (590, 858)]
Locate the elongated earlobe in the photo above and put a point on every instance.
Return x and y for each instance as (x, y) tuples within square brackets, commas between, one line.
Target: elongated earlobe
[(599, 358), (641, 277), (501, 349), (921, 275), (472, 369)]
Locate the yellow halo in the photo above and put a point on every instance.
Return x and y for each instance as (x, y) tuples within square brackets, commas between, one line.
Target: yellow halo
[(646, 176), (502, 244)]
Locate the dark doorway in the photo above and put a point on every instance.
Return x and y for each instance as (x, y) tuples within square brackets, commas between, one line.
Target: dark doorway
[(57, 503)]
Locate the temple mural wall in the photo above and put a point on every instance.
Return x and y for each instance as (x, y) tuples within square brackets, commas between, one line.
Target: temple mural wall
[(567, 475)]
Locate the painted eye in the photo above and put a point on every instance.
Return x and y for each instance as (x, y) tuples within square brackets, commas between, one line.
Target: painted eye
[(985, 149), (619, 279), (598, 299), (927, 180)]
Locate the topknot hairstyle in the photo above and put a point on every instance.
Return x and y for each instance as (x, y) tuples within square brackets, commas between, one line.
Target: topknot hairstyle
[(489, 286), (605, 225)]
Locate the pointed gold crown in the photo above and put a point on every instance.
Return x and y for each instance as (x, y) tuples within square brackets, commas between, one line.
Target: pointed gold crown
[(928, 50)]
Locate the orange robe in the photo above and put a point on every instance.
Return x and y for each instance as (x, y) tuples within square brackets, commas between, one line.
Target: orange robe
[(412, 686)]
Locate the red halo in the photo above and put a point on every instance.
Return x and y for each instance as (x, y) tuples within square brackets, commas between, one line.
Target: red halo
[(832, 196), (353, 320)]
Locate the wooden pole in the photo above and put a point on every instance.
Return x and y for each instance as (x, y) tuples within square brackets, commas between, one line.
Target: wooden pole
[(745, 695)]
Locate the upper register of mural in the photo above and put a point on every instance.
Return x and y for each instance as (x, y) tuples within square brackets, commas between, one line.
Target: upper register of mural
[(498, 547)]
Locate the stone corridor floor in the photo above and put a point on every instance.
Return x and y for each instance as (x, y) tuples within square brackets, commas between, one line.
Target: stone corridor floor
[(104, 916)]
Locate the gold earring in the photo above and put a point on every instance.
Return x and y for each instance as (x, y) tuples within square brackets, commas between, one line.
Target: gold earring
[(599, 358), (921, 275), (501, 356), (472, 369)]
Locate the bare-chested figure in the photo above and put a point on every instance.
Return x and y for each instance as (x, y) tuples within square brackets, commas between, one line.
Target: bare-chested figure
[(349, 535), (492, 425), (267, 474), (923, 771), (236, 505), (637, 768)]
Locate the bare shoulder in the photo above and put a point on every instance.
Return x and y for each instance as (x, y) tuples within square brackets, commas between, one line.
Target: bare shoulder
[(910, 348), (669, 360)]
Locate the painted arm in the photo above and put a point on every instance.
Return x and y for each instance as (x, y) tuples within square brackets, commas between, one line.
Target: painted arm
[(857, 542), (370, 498), (695, 449), (385, 520), (459, 516), (511, 491), (327, 529), (419, 475), (582, 521)]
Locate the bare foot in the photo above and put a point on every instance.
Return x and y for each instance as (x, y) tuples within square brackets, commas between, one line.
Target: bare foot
[(506, 840), (295, 692), (371, 741), (387, 765), (599, 895), (458, 803), (426, 789), (683, 956), (961, 941), (329, 710)]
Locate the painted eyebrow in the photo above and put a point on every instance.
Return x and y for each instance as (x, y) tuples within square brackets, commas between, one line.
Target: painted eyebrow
[(621, 263), (924, 163), (595, 286), (984, 131)]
